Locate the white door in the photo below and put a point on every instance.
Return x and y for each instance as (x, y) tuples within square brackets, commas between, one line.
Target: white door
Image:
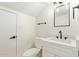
[(7, 33)]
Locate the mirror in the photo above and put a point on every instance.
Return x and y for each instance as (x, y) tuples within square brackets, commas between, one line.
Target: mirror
[(62, 15)]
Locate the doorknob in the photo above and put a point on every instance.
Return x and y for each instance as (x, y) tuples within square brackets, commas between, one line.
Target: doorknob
[(13, 37)]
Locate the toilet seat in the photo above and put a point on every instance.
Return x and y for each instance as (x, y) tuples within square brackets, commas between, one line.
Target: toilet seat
[(31, 52)]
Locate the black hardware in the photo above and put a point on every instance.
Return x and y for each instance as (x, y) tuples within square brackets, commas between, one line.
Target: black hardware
[(74, 10), (78, 53), (60, 2), (13, 37), (60, 34), (57, 37), (57, 2), (73, 13), (41, 23), (65, 38)]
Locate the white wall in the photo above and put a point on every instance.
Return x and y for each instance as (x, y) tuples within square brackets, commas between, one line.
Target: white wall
[(25, 31), (48, 29), (45, 30), (26, 34)]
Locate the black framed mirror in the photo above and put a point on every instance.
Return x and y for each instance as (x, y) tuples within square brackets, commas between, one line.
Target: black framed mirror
[(62, 15)]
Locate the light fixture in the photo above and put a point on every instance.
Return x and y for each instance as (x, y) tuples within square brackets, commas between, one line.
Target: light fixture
[(74, 10)]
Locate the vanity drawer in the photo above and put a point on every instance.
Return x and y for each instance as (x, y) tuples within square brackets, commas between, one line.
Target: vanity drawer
[(47, 54), (60, 52)]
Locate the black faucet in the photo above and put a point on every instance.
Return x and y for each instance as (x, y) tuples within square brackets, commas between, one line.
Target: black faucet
[(60, 32)]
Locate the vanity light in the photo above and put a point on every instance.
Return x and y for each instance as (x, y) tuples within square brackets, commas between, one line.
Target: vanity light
[(74, 10)]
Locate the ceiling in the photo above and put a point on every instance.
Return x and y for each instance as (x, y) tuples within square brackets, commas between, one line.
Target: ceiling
[(31, 8)]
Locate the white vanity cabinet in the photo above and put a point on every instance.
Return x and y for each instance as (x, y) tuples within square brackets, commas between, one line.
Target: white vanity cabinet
[(46, 53), (54, 50)]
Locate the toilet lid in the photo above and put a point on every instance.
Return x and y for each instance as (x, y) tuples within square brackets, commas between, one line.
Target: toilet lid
[(31, 52)]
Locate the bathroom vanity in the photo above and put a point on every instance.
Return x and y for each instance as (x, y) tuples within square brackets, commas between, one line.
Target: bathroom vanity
[(52, 47)]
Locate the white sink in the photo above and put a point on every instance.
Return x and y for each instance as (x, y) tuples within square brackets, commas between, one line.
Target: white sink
[(67, 42)]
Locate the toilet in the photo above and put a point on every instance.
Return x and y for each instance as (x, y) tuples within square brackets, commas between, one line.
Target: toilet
[(34, 52)]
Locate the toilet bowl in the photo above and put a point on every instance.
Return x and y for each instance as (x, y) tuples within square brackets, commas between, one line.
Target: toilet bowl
[(33, 52)]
